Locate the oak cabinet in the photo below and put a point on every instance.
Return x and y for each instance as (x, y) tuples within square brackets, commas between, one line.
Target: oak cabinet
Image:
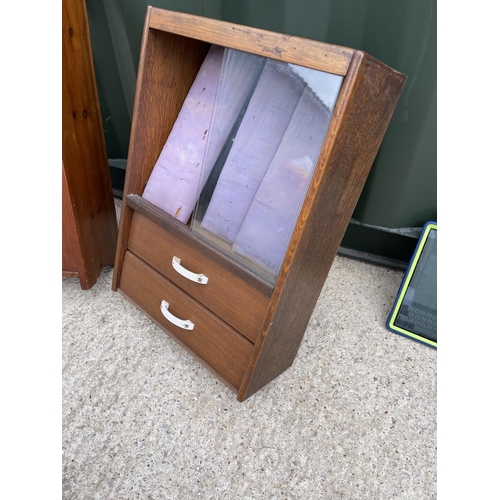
[(248, 152)]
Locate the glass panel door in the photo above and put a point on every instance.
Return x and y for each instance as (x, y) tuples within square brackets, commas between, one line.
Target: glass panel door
[(239, 158), (273, 117)]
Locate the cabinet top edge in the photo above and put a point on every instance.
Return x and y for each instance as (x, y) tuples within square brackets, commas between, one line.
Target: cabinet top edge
[(313, 54)]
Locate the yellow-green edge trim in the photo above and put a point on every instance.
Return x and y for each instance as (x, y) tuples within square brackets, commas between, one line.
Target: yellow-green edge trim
[(409, 275)]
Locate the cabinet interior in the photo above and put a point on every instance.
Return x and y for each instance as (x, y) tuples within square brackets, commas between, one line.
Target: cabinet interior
[(233, 157)]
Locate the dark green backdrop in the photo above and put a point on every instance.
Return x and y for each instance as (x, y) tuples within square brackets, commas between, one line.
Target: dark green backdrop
[(400, 194)]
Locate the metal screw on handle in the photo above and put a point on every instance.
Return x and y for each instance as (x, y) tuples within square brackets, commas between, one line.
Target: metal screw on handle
[(181, 323)]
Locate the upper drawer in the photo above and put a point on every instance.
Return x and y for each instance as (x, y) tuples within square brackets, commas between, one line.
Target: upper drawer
[(211, 340), (225, 293)]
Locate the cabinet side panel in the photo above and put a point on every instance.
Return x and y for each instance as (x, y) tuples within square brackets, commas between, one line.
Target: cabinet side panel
[(168, 66), (83, 147), (362, 115)]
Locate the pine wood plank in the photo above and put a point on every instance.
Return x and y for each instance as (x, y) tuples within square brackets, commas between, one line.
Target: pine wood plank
[(85, 162)]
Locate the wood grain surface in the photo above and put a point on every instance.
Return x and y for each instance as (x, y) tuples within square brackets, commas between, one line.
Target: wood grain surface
[(88, 193), (287, 48), (213, 341), (226, 295)]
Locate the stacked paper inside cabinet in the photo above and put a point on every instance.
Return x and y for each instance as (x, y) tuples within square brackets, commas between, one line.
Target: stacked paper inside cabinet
[(268, 224), (255, 144), (177, 175)]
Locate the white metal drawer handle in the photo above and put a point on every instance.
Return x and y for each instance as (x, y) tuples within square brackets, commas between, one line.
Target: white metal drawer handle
[(198, 278), (182, 323)]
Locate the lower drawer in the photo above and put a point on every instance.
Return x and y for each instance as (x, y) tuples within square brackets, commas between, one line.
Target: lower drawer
[(214, 342)]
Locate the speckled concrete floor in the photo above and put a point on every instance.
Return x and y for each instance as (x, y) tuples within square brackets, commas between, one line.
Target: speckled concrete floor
[(353, 418)]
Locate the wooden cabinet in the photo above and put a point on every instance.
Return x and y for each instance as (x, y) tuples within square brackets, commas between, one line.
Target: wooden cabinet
[(89, 223), (244, 325)]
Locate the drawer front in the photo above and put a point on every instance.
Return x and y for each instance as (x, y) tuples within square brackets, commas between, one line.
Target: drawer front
[(227, 352), (226, 295)]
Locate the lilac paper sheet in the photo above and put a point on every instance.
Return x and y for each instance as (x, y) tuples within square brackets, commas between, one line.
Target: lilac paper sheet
[(174, 180), (268, 225), (239, 73), (266, 119), (196, 139)]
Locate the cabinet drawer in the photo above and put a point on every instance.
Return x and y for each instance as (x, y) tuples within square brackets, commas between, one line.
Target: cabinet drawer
[(223, 349), (225, 294)]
